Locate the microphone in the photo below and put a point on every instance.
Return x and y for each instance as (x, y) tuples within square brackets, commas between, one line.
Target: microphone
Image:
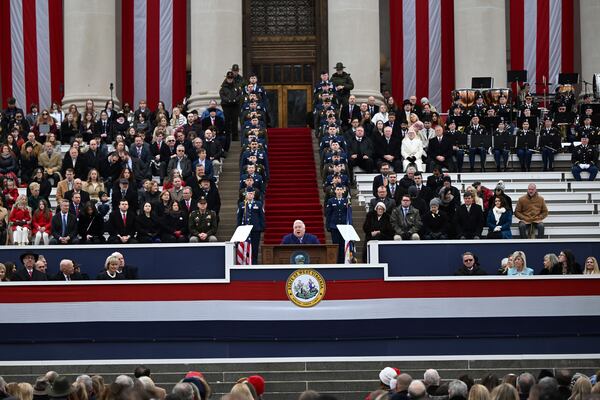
[(111, 86)]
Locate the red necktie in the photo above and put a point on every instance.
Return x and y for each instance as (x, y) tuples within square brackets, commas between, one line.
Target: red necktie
[(124, 219), (30, 273)]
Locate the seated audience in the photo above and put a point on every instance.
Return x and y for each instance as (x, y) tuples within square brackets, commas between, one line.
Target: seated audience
[(121, 224), (203, 223), (470, 266), (499, 221), (110, 272), (406, 220), (590, 266), (531, 211), (64, 225), (519, 265)]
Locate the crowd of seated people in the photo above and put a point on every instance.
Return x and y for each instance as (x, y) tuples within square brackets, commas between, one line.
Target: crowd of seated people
[(34, 267), (389, 384), (109, 180), (515, 264)]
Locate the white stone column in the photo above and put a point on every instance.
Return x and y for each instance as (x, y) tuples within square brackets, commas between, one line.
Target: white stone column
[(90, 51), (353, 34), (590, 45), (479, 41), (216, 44)]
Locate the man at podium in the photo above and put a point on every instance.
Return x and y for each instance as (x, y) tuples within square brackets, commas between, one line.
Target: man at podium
[(299, 235)]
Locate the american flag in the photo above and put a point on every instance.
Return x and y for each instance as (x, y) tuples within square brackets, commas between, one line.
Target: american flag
[(244, 253)]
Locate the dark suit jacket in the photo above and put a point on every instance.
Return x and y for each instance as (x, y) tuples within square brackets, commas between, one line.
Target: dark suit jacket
[(436, 148), (468, 223), (57, 225), (81, 168), (193, 206), (219, 124), (346, 117), (290, 238), (85, 196), (364, 147), (115, 224), (130, 195), (76, 276), (145, 155), (22, 275)]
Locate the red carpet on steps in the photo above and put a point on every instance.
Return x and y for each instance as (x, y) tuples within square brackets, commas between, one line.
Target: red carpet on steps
[(293, 190)]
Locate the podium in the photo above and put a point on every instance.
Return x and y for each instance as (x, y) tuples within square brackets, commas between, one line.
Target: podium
[(281, 253)]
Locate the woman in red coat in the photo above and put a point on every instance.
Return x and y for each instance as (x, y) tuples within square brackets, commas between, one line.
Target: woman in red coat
[(42, 223), (20, 219)]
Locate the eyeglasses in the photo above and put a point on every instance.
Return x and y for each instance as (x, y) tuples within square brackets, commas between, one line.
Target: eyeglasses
[(469, 260)]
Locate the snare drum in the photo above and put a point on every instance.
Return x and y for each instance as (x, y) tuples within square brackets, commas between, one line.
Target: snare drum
[(466, 97), (492, 96)]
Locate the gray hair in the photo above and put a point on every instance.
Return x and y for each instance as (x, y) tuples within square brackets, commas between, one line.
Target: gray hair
[(183, 391), (524, 382), (86, 381), (124, 380), (416, 389), (147, 382), (458, 388), (548, 384), (552, 258), (431, 377)]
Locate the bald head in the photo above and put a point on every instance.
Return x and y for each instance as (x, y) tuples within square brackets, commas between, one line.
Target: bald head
[(403, 382), (416, 390)]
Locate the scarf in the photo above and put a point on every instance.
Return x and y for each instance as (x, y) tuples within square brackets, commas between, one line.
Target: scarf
[(498, 213)]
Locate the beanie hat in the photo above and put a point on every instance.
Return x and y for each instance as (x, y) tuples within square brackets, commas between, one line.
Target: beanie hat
[(500, 186), (258, 382), (435, 201)]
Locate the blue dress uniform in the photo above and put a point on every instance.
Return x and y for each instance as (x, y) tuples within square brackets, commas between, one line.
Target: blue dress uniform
[(338, 212), (251, 212)]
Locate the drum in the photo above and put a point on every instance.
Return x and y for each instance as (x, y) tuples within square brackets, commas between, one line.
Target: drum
[(492, 96), (566, 89), (466, 97)]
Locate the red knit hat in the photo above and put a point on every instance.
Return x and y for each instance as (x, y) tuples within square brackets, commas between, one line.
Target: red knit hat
[(194, 374), (258, 382)]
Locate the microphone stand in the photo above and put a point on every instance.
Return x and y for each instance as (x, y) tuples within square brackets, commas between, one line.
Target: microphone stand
[(111, 87)]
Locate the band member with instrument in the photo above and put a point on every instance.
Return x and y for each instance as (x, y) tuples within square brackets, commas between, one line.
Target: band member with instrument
[(457, 116), (527, 115), (501, 146), (459, 144), (503, 109), (477, 145), (549, 144), (529, 104), (525, 143), (564, 119)]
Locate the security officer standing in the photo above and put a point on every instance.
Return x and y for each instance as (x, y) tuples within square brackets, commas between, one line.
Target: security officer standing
[(342, 83), (584, 158), (203, 223), (251, 212), (338, 212), (231, 95)]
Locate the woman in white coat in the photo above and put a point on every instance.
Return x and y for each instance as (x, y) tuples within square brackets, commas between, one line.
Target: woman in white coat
[(412, 150)]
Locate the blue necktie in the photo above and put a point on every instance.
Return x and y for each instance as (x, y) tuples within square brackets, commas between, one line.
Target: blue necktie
[(64, 227)]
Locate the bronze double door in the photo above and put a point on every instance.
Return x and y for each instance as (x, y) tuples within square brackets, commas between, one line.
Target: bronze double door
[(285, 44)]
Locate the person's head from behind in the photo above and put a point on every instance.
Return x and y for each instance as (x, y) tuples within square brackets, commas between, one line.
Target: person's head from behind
[(504, 391)]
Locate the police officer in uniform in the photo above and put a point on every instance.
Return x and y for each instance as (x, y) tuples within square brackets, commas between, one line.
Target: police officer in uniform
[(342, 83), (231, 95), (203, 223), (251, 212), (584, 158), (549, 144), (338, 212)]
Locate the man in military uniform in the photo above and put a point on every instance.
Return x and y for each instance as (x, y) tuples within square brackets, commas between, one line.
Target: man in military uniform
[(584, 158), (550, 144), (476, 130), (338, 212), (251, 212), (203, 223), (586, 129), (342, 82), (479, 108)]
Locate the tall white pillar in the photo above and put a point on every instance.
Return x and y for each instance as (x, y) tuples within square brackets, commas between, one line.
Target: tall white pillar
[(353, 34), (216, 44), (479, 41), (590, 45), (90, 51)]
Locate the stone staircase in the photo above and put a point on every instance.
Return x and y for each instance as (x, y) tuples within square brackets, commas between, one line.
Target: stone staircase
[(346, 380), (229, 181)]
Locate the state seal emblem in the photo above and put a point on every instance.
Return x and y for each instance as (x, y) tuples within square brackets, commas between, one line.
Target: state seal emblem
[(305, 287)]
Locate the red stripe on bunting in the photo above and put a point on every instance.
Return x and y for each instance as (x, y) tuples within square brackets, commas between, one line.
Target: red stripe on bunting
[(422, 48), (275, 290), (568, 38), (127, 52), (397, 49), (55, 13), (153, 53), (30, 54), (5, 50), (542, 57), (179, 51), (517, 34), (447, 22)]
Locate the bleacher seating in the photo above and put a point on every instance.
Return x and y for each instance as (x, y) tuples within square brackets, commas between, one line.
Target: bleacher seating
[(573, 206)]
